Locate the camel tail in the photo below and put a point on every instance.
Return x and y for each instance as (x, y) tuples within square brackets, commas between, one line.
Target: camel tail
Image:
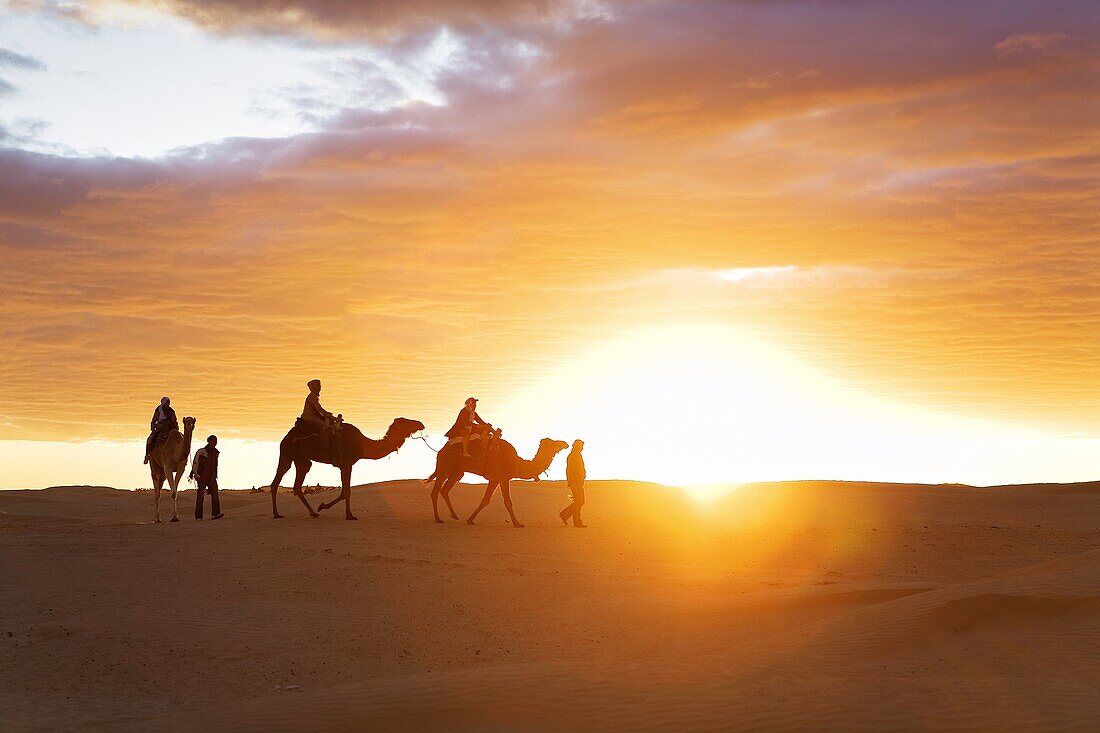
[(430, 478)]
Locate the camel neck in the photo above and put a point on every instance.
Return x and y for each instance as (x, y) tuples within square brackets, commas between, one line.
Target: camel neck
[(532, 468), (379, 448), (542, 460)]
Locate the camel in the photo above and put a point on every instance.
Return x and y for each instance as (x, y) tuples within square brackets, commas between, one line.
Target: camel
[(499, 467), (301, 447), (168, 460)]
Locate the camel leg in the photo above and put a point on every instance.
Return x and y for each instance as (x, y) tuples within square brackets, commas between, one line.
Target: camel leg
[(339, 497), (508, 503), (345, 481), (158, 481), (300, 471), (174, 481), (280, 471), (345, 494), (443, 484), (484, 502), (435, 498), (447, 486)]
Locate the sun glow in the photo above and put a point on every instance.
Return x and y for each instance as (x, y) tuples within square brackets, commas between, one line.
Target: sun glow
[(709, 407), (706, 493), (690, 406)]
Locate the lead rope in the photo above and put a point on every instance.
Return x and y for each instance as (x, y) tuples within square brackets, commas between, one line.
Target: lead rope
[(421, 437), (568, 500)]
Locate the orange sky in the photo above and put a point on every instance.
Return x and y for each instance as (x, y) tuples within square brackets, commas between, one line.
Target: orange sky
[(898, 196)]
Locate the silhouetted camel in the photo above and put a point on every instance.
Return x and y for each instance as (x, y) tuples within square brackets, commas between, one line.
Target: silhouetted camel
[(499, 467), (168, 460), (300, 447)]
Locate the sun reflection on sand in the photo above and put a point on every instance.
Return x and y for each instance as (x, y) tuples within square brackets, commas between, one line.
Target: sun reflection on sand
[(707, 493)]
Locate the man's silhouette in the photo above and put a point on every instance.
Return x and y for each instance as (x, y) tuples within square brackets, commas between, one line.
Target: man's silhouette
[(204, 469), (164, 419), (574, 476), (464, 425), (315, 416)]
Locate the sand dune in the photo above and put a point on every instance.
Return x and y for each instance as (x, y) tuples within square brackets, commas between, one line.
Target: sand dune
[(801, 606)]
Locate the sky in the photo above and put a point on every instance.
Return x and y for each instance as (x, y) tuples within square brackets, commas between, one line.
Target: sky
[(720, 241)]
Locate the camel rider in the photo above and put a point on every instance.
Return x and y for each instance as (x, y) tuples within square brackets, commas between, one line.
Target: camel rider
[(316, 416), (464, 425), (164, 420)]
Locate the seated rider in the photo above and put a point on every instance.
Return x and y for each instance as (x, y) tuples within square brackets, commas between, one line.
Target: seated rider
[(464, 425), (164, 420), (316, 416)]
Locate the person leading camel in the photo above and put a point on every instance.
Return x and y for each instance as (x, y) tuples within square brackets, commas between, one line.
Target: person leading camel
[(316, 416), (464, 425), (574, 476), (204, 470), (164, 420)]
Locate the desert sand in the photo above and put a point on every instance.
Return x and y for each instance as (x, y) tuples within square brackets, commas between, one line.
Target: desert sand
[(796, 606)]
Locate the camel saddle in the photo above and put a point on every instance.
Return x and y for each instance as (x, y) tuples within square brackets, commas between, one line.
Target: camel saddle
[(479, 453), (304, 431), (161, 433)]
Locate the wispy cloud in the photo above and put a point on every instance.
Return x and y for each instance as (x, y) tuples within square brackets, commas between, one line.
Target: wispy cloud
[(13, 60), (743, 274), (1029, 42), (324, 20)]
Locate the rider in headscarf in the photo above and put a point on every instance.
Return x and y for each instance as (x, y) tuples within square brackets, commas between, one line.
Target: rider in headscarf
[(164, 419), (316, 416), (464, 425)]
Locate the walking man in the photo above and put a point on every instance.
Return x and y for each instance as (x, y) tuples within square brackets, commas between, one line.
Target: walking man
[(204, 470), (574, 476)]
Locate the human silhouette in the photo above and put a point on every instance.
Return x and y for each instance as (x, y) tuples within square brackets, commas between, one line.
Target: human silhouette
[(204, 470), (317, 417), (163, 422), (464, 425), (574, 476)]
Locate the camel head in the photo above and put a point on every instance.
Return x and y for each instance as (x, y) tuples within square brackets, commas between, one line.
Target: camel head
[(551, 447), (189, 423), (403, 427)]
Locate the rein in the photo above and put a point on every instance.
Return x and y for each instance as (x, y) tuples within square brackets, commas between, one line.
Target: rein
[(421, 437)]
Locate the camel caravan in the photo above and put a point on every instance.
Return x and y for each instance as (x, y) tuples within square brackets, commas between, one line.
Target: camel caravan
[(318, 436)]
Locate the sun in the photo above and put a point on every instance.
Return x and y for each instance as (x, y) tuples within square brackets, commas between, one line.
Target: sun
[(682, 406)]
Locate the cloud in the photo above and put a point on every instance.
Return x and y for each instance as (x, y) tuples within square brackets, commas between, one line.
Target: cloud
[(745, 274), (14, 60), (819, 276), (329, 20), (1029, 42), (887, 195)]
